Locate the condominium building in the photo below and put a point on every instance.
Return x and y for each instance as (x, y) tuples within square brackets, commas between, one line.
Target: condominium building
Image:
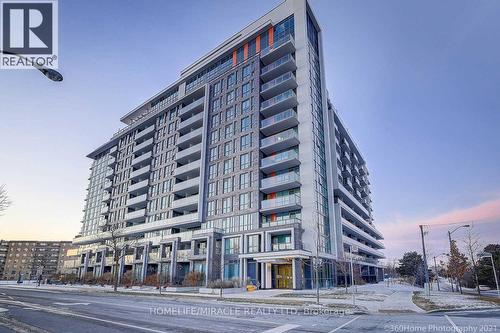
[(27, 260), (241, 169), (4, 247)]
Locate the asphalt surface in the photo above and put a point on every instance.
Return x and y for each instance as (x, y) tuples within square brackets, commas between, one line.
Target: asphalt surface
[(44, 311)]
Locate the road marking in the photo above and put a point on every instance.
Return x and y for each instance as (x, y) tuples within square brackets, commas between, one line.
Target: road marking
[(453, 324), (3, 310), (281, 329), (344, 325), (59, 303)]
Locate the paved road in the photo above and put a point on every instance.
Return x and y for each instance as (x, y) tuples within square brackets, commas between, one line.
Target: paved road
[(44, 311)]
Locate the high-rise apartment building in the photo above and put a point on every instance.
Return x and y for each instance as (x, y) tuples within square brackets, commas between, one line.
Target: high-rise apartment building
[(240, 169)]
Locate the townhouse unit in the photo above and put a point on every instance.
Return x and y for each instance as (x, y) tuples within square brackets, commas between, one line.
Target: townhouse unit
[(241, 169)]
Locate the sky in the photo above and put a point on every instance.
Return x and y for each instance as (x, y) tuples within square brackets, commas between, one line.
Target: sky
[(416, 82)]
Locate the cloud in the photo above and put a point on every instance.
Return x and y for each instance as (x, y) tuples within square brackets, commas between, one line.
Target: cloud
[(403, 234)]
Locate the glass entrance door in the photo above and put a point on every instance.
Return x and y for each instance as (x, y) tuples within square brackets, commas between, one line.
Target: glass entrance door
[(282, 276)]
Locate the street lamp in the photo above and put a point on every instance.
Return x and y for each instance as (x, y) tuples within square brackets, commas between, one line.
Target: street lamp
[(50, 73), (449, 238), (486, 255), (435, 268), (426, 269)]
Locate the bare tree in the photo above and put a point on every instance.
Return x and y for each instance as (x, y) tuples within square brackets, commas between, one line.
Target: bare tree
[(344, 268), (118, 245), (5, 201), (473, 247)]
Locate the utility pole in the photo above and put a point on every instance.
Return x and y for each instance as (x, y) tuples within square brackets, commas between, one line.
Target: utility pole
[(426, 270)]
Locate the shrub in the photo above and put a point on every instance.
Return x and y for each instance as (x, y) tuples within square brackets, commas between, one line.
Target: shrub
[(193, 279), (127, 279), (69, 278), (233, 283), (106, 278), (89, 278), (151, 280)]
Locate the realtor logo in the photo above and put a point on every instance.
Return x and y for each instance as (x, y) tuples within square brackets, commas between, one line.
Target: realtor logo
[(29, 34)]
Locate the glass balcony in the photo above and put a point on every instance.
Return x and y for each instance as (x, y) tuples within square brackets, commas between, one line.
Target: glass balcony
[(279, 122), (186, 204), (278, 85), (281, 204), (192, 109), (191, 123), (146, 133), (280, 161), (138, 201), (279, 48), (281, 246), (106, 197), (346, 171), (191, 153), (143, 159), (107, 185), (105, 210), (139, 188), (191, 138), (280, 182), (280, 141), (190, 170), (278, 103), (278, 67), (146, 145), (280, 222), (345, 157), (136, 216), (141, 173), (187, 187), (111, 161), (110, 173)]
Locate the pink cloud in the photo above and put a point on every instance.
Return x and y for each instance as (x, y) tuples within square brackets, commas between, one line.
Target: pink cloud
[(403, 234)]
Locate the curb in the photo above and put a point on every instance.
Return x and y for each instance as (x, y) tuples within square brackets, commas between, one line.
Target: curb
[(463, 310)]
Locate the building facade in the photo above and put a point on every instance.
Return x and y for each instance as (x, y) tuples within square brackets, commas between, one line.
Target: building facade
[(4, 247), (241, 169), (27, 260)]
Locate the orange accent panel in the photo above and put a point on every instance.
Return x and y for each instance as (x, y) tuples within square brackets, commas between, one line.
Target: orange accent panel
[(272, 195), (245, 51), (274, 217), (235, 59), (271, 36), (257, 44)]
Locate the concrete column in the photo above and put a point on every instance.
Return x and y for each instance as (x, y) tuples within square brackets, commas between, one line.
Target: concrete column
[(145, 262), (173, 262), (121, 265), (297, 273)]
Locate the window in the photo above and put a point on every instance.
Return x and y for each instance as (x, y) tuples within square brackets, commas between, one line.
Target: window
[(246, 124), (213, 154), (227, 185), (231, 80), (231, 270), (245, 141), (214, 137), (264, 40), (247, 71), (246, 105), (253, 243), (227, 205), (212, 208), (212, 171), (244, 180), (228, 166), (212, 189), (216, 104), (246, 89), (228, 148), (228, 131), (245, 161), (244, 201), (217, 87), (232, 245), (215, 120), (230, 97), (251, 48), (281, 242), (230, 113)]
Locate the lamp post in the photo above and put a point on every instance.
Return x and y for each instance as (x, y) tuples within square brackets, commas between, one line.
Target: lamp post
[(435, 268), (50, 73), (490, 255), (449, 238)]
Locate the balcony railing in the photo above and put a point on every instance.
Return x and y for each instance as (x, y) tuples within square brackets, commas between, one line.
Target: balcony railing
[(280, 182), (279, 122), (285, 100), (279, 48), (280, 66), (280, 222), (140, 172), (143, 146), (135, 215), (280, 161), (190, 138), (279, 84), (281, 246), (143, 159), (280, 141), (139, 187), (280, 204), (190, 109), (145, 133)]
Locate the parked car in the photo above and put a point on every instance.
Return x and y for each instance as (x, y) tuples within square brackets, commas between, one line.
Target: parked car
[(484, 288)]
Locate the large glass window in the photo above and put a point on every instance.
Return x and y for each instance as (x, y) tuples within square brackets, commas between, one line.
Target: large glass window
[(227, 205), (246, 124), (245, 141), (253, 243), (245, 161), (244, 180), (227, 185), (244, 201), (232, 245), (228, 166), (231, 270)]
